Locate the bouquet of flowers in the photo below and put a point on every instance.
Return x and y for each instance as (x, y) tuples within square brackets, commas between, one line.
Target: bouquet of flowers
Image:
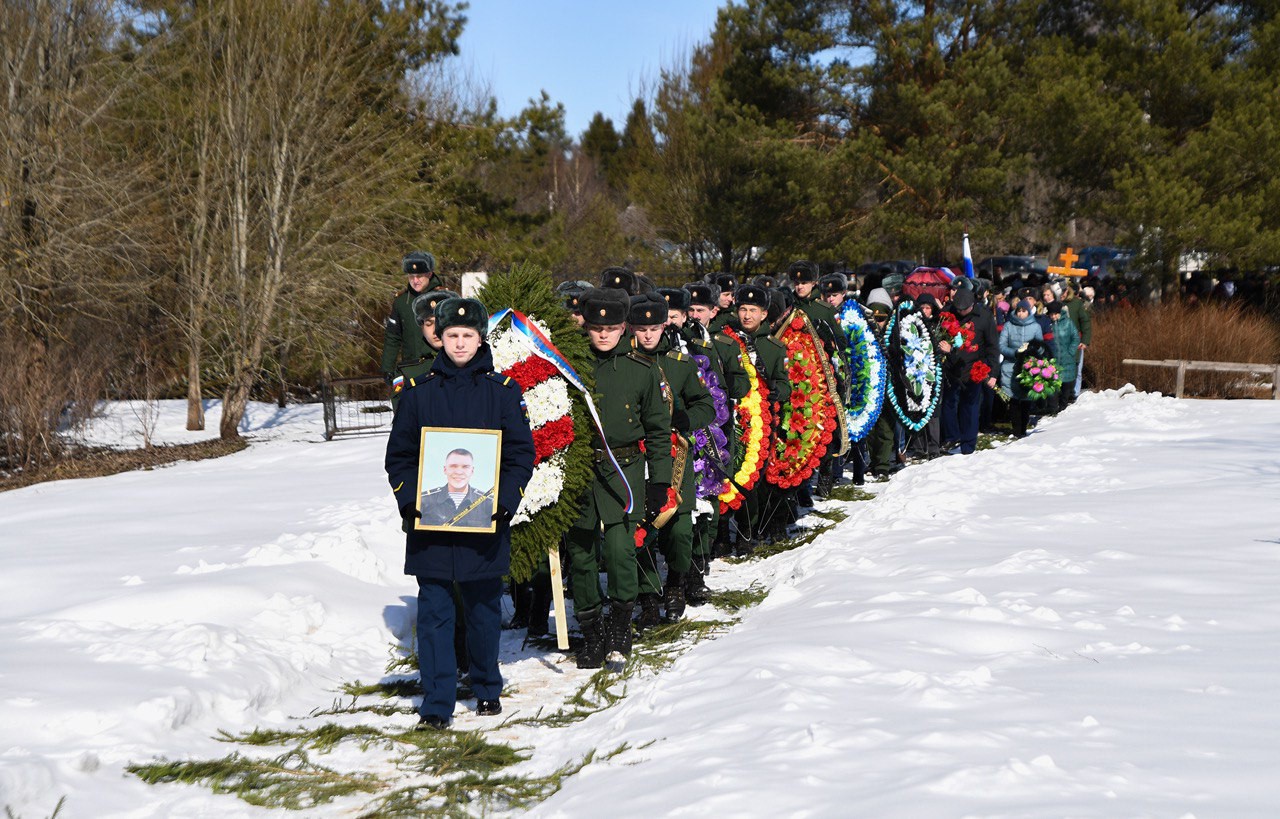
[(1039, 377)]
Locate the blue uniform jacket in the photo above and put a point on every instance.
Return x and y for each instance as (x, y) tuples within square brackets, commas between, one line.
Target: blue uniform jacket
[(470, 397)]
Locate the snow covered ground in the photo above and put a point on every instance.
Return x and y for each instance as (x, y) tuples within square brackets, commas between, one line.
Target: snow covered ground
[(1082, 623)]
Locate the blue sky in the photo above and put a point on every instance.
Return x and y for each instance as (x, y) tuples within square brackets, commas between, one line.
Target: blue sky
[(591, 55)]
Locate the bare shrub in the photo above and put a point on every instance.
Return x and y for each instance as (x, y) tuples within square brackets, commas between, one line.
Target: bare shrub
[(45, 390), (1175, 330)]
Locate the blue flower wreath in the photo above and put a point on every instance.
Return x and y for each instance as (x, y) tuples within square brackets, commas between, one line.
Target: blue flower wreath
[(917, 366), (868, 371)]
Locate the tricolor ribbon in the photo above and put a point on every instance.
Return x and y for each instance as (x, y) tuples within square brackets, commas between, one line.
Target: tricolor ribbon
[(542, 347)]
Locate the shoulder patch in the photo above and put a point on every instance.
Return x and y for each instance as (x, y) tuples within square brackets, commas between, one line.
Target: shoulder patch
[(677, 355), (433, 491), (700, 343), (504, 380), (634, 356)]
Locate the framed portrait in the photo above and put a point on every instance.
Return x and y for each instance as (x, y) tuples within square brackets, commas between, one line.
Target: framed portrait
[(458, 479)]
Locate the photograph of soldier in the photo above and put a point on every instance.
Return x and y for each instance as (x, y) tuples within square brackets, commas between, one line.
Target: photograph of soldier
[(458, 504)]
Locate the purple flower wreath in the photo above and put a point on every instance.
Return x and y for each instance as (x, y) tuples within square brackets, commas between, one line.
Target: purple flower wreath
[(710, 445)]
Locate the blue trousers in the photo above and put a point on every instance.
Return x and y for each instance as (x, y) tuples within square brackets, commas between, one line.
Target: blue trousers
[(968, 410), (437, 665)]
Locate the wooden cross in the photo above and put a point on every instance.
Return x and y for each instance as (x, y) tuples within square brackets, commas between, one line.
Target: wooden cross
[(1066, 269)]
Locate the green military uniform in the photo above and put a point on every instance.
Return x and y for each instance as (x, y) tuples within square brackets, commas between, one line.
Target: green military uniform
[(402, 339), (690, 397), (629, 398), (725, 362)]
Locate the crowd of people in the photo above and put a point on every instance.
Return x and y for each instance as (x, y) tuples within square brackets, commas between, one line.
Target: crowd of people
[(693, 382)]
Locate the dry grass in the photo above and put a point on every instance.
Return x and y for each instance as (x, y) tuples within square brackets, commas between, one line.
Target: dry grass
[(1207, 332), (94, 462)]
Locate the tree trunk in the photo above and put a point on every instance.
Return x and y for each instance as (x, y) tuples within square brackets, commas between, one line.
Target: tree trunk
[(195, 401), (234, 402)]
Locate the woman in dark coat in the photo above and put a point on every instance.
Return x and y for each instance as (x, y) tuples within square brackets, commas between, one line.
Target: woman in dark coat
[(460, 391)]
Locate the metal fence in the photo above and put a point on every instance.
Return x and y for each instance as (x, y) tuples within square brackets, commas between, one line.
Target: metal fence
[(356, 406)]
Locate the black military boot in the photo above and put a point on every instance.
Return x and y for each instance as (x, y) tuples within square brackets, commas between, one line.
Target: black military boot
[(591, 655), (619, 628), (673, 596), (649, 614), (539, 606), (521, 597), (696, 592)]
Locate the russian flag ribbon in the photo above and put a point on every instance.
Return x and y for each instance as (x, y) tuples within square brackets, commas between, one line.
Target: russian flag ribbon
[(542, 347)]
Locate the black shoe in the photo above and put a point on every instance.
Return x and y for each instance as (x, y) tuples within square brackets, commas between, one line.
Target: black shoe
[(488, 708), (618, 628), (696, 592), (650, 616), (673, 597), (591, 654), (431, 723)]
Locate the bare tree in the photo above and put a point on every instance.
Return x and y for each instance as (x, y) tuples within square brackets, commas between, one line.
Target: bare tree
[(295, 180)]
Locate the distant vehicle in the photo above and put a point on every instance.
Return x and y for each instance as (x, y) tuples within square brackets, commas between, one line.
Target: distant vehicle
[(1010, 266), (1104, 262)]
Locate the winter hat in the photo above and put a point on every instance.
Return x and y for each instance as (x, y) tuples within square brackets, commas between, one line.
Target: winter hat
[(647, 309), (962, 300), (880, 302), (725, 282), (961, 283), (424, 306), (893, 283), (677, 298), (766, 282), (752, 294), (1022, 304), (927, 298), (833, 283), (802, 271), (1055, 308), (572, 292), (1088, 291), (707, 295), (605, 305), (418, 263), (460, 312), (644, 284), (619, 278), (780, 301)]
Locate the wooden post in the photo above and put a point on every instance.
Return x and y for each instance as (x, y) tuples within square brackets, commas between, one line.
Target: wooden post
[(557, 596), (1275, 385), (1182, 379)]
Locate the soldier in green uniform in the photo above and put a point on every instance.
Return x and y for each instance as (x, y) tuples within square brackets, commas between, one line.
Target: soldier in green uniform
[(401, 341), (629, 398), (769, 357), (728, 285), (711, 532), (880, 441), (691, 408)]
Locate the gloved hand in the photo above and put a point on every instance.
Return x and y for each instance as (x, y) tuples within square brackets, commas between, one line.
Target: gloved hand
[(503, 515), (655, 497), (409, 512), (680, 420)]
